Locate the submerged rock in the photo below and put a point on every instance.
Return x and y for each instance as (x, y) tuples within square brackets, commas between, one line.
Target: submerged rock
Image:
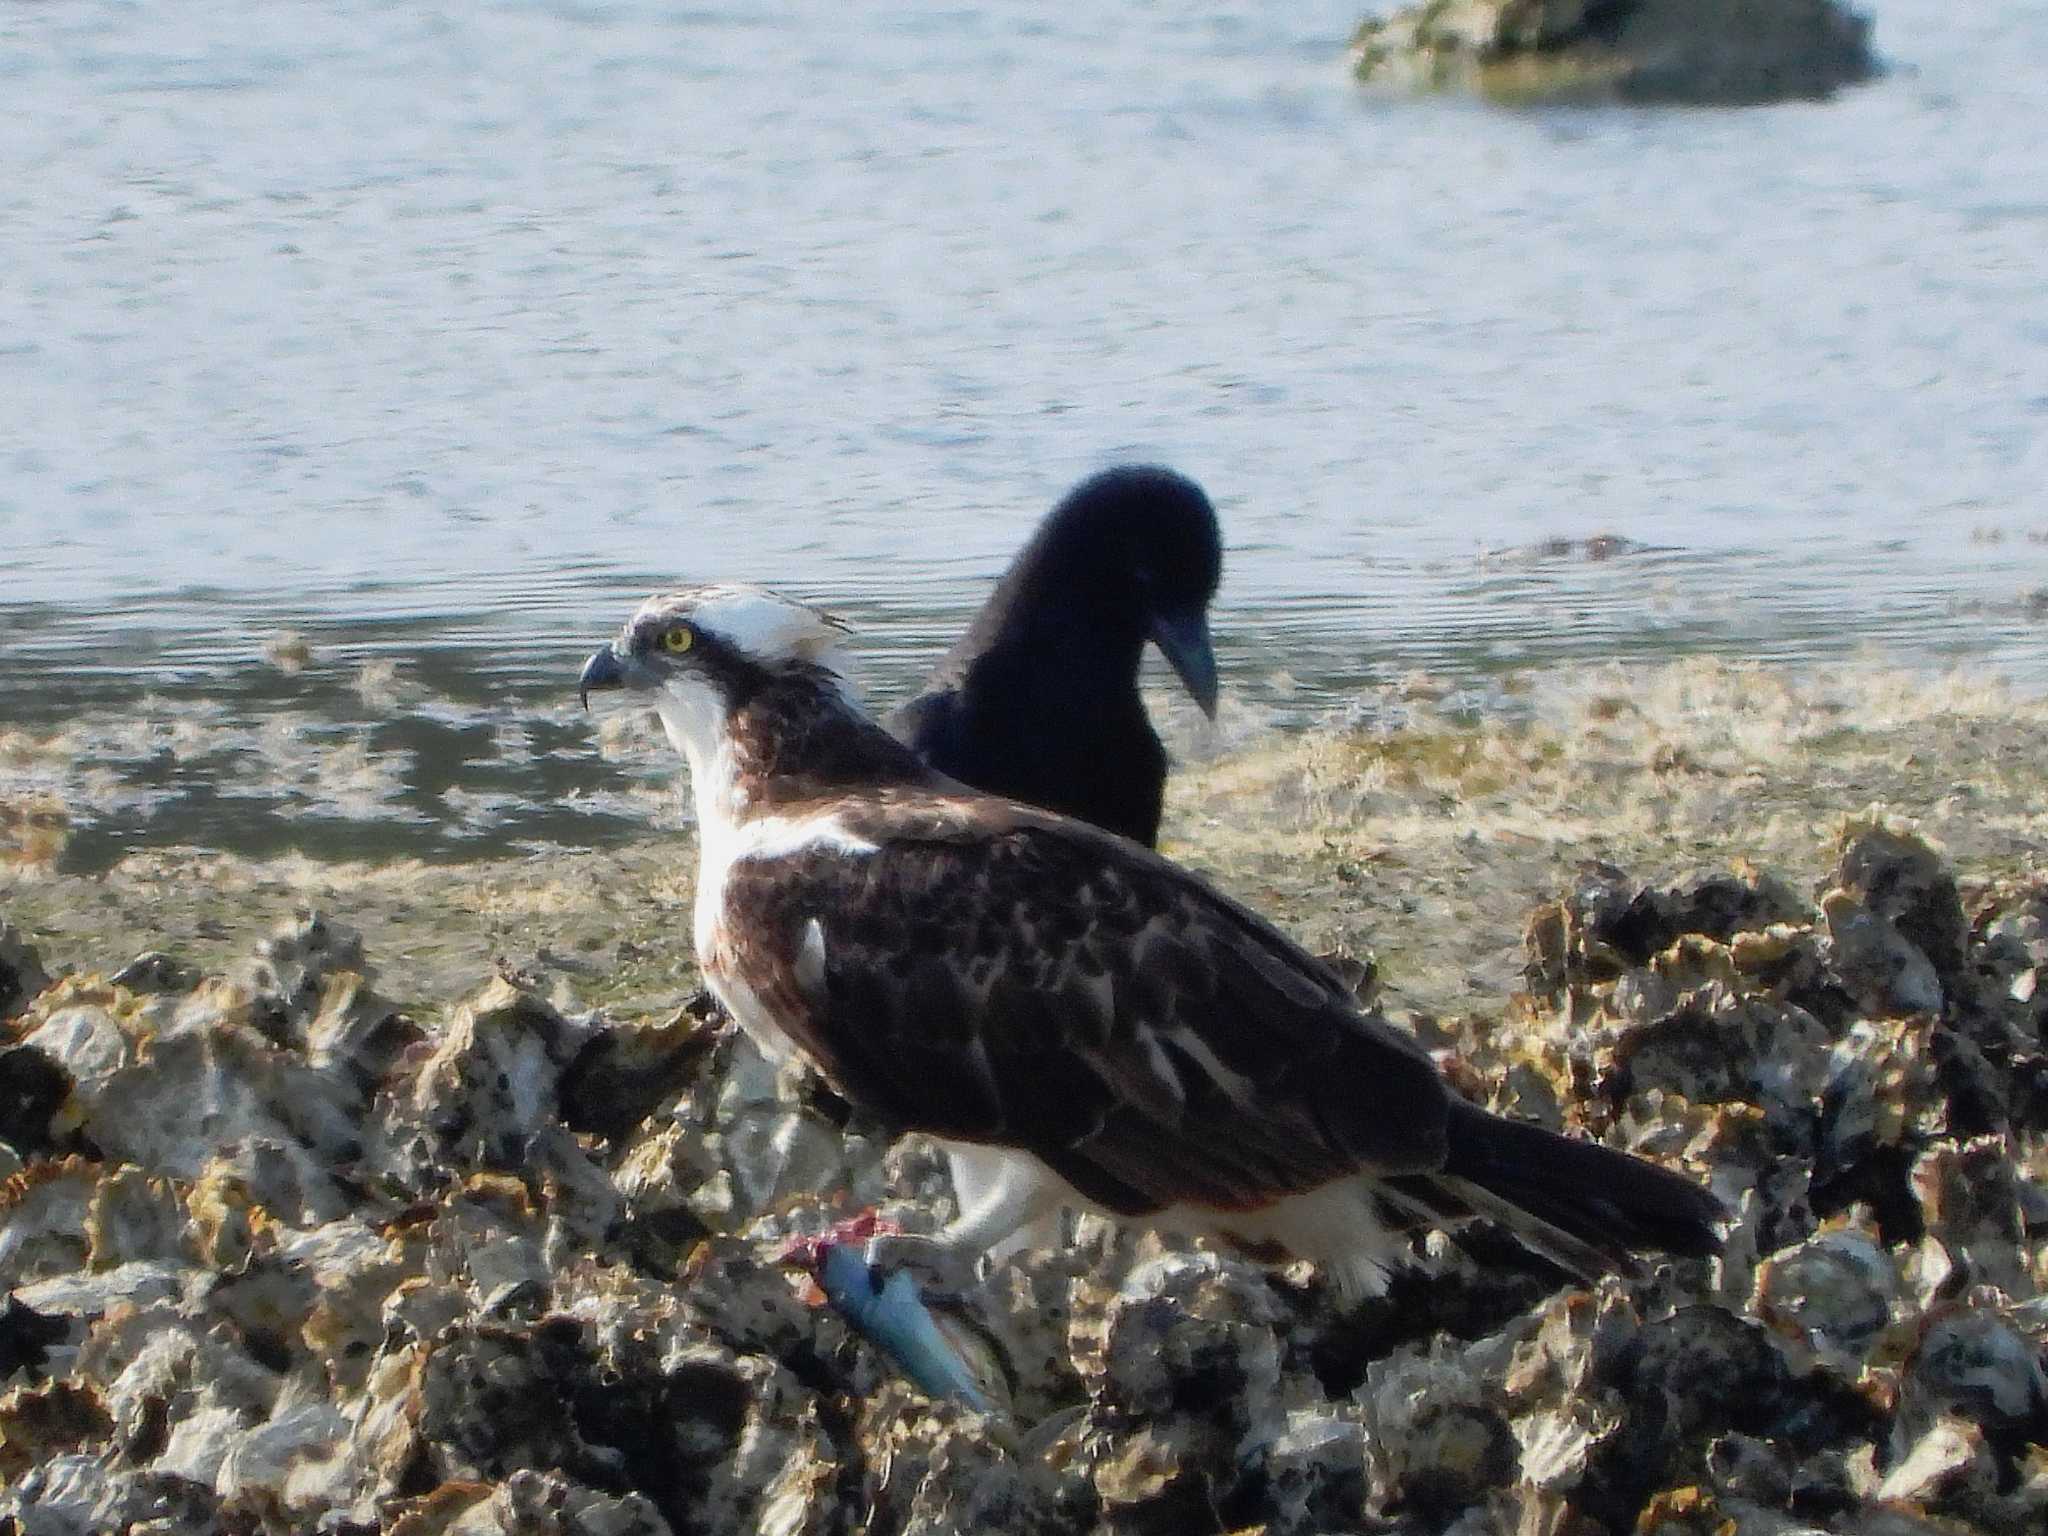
[(1727, 52)]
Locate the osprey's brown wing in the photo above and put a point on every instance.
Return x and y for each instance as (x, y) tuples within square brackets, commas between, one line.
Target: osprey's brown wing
[(996, 975)]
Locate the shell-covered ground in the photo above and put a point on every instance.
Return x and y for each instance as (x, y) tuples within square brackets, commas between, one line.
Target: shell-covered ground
[(415, 1199)]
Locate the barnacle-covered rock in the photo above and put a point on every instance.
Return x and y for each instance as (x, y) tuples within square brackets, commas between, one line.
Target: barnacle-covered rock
[(490, 1085), (490, 1235), (731, 1295), (87, 1026), (936, 1468), (159, 1356), (1835, 1294), (42, 1219), (714, 1438), (291, 966), (324, 1265), (1562, 1408), (528, 1503), (1947, 1466), (655, 1179), (52, 1419), (1450, 1425), (491, 1402), (354, 1269), (80, 1495), (1604, 925), (1189, 1372), (1716, 1047), (766, 1141), (131, 1216), (165, 1083), (284, 1461), (1882, 969), (1972, 1363), (86, 1294), (1971, 1201), (1700, 1371), (1315, 1471), (624, 1072), (1190, 1329), (1435, 1442), (1607, 923), (1886, 866), (155, 971)]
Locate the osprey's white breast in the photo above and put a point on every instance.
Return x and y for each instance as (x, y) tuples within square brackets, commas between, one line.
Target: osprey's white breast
[(722, 847)]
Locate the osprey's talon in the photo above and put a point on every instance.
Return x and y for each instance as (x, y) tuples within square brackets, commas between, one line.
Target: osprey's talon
[(809, 1252), (884, 1300), (937, 1268)]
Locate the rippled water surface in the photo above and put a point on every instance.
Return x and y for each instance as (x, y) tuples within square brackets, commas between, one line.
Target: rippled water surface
[(441, 335)]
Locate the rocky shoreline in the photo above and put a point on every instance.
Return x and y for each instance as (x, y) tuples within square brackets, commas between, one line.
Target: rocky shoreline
[(1693, 52), (295, 1240)]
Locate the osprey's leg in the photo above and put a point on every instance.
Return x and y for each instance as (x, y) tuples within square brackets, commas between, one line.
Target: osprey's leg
[(1008, 1203), (1003, 1197)]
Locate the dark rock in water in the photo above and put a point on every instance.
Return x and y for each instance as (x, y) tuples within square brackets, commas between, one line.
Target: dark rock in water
[(21, 971), (1706, 52)]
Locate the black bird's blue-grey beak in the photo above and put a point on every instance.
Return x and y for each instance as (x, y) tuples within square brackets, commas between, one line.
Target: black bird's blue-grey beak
[(602, 671), (1184, 640)]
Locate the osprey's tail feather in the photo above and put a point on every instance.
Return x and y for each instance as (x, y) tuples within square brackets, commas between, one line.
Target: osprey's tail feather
[(1579, 1204)]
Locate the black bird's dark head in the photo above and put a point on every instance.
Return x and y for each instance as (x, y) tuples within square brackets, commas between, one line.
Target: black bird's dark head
[(1138, 551)]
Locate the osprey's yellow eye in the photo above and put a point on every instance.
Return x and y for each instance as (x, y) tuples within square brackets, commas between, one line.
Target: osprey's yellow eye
[(677, 639)]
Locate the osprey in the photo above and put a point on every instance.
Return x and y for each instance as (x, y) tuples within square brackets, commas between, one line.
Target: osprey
[(1039, 700), (1078, 1020)]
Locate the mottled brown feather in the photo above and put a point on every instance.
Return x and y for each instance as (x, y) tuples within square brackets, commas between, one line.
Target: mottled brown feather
[(995, 974)]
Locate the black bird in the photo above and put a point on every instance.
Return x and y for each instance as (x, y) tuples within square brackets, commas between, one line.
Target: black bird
[(1039, 700)]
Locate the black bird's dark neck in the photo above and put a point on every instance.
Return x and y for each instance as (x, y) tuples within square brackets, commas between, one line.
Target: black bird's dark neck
[(1051, 605)]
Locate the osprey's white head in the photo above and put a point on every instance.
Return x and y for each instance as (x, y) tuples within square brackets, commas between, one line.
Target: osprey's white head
[(700, 655)]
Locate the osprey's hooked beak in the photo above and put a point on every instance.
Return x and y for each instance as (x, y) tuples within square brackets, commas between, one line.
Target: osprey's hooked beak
[(1184, 640), (602, 671)]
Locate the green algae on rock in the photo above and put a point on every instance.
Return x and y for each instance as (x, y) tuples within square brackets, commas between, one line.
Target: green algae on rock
[(1700, 52)]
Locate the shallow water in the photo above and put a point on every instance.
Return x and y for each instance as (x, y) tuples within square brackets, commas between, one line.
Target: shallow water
[(442, 337)]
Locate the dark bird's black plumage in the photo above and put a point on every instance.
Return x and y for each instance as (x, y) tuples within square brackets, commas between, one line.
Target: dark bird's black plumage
[(1039, 700)]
